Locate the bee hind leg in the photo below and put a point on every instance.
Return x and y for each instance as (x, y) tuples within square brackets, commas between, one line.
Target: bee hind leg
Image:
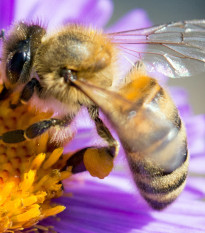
[(103, 132), (98, 161), (76, 162)]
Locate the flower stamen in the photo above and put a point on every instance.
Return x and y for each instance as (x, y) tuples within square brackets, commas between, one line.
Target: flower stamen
[(30, 175)]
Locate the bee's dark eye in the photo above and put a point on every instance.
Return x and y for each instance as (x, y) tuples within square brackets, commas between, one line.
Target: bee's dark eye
[(68, 75), (17, 59)]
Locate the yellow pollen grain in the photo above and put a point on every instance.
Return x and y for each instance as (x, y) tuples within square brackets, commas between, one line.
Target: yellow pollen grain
[(98, 162)]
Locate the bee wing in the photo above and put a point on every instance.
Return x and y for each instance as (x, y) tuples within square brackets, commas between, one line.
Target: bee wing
[(175, 49)]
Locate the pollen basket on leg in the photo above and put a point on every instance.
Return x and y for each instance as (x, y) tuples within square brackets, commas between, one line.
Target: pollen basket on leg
[(30, 173)]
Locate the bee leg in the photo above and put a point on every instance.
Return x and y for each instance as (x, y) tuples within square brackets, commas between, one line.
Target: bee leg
[(99, 161), (33, 130), (4, 93), (103, 132), (76, 162), (27, 92)]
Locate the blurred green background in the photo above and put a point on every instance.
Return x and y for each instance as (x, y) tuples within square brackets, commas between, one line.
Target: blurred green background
[(162, 11)]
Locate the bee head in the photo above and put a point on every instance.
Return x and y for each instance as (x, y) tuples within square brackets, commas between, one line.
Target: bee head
[(18, 51)]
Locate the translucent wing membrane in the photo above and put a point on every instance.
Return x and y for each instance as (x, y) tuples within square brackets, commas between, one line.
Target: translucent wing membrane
[(175, 49)]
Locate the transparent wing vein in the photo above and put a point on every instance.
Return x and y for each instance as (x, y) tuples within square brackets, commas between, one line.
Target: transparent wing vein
[(175, 49)]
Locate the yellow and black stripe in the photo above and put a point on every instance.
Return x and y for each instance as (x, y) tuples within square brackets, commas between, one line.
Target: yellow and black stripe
[(160, 163)]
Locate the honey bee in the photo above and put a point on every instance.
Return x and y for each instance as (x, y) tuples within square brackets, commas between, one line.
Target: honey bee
[(78, 67)]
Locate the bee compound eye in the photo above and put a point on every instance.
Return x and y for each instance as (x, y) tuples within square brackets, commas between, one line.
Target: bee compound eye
[(16, 61)]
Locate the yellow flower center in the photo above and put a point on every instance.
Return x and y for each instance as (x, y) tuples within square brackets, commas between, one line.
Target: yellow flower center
[(30, 174)]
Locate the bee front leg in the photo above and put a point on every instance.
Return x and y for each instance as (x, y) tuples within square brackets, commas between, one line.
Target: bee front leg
[(4, 93), (28, 92), (34, 130), (98, 161)]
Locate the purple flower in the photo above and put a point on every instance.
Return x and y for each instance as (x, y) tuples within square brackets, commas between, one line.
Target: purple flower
[(114, 204)]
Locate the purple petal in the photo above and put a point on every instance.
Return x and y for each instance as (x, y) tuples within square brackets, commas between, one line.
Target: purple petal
[(179, 95), (197, 165), (7, 8), (113, 205), (182, 216), (97, 13), (135, 19), (195, 125), (196, 134), (55, 13), (195, 188)]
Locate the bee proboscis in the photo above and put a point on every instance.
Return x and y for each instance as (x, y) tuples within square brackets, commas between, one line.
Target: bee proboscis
[(78, 67)]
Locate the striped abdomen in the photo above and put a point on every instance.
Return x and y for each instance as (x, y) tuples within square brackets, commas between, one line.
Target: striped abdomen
[(159, 158)]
